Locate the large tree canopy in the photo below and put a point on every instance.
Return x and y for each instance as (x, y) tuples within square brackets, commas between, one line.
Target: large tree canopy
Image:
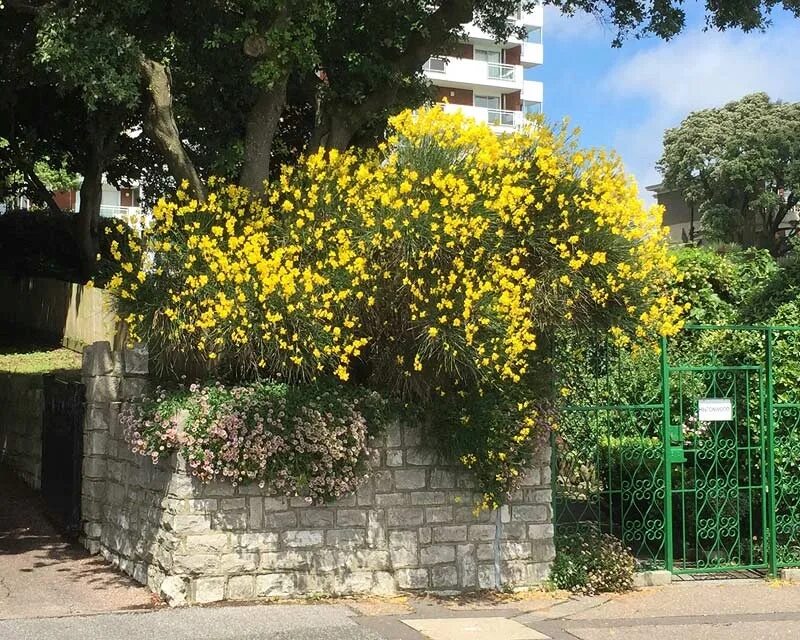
[(740, 166), (229, 86)]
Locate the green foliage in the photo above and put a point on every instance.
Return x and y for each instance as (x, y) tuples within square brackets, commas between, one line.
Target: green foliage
[(740, 165), (494, 434), (590, 562), (33, 243)]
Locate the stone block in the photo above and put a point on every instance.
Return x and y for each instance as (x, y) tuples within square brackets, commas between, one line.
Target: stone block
[(421, 457), (515, 550), (280, 519), (437, 554), (383, 584), (535, 513), (241, 588), (319, 518), (173, 590), (405, 516), (442, 479), (543, 551), (290, 560), (391, 499), (662, 578), (357, 582), (376, 530), (136, 360), (486, 577), (445, 577), (394, 437), (540, 531), (345, 538), (404, 548), (425, 535), (242, 562), (438, 515), (382, 482), (303, 538), (455, 533), (208, 589), (412, 578), (206, 543), (199, 564), (394, 458), (188, 524), (482, 532), (233, 504), (255, 514), (258, 541), (406, 479), (229, 520), (103, 389), (351, 518), (412, 436), (98, 359), (467, 565), (275, 585), (133, 388), (428, 498), (276, 504)]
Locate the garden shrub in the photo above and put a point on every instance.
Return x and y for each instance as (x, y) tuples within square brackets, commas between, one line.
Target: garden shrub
[(303, 441), (589, 561), (432, 268)]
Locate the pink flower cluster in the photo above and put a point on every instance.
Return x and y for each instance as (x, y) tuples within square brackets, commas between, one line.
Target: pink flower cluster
[(297, 441)]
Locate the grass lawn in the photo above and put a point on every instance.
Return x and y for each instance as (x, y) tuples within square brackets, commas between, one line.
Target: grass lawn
[(30, 358)]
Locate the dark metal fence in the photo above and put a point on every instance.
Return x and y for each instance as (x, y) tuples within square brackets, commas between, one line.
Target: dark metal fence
[(62, 450)]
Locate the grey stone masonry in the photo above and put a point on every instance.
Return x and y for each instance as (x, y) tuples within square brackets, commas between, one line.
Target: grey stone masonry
[(21, 413), (410, 526)]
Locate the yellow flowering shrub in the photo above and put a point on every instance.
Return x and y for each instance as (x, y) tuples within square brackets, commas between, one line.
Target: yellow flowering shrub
[(434, 264)]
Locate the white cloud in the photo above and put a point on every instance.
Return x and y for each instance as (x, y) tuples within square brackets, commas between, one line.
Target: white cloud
[(695, 71), (581, 26)]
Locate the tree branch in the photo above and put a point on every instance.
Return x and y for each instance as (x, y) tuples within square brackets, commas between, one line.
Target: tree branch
[(160, 125)]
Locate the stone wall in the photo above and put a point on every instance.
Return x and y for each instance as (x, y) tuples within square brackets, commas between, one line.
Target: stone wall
[(21, 409), (71, 314), (410, 526)]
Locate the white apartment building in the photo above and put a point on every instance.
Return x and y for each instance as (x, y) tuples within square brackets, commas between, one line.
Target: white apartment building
[(485, 79)]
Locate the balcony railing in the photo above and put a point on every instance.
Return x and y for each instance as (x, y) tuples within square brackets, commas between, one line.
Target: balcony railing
[(497, 118), (470, 71), (500, 71), (437, 65), (132, 216)]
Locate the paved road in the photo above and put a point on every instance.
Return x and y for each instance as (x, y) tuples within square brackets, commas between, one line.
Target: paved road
[(708, 610)]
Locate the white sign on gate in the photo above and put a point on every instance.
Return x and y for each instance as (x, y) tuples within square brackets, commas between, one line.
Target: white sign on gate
[(714, 409)]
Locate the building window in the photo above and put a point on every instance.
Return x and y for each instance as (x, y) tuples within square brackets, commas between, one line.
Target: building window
[(534, 35), (435, 64), (494, 114), (486, 55), (531, 108)]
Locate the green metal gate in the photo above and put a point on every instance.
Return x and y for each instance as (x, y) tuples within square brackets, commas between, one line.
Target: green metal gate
[(691, 455)]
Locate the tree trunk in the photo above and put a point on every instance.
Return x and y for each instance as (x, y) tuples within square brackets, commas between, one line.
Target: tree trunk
[(331, 132), (262, 124), (161, 128), (87, 233)]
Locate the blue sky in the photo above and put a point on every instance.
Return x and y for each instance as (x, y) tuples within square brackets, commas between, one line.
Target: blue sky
[(624, 99)]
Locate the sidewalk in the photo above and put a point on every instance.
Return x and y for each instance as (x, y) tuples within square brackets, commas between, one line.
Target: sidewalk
[(703, 610), (42, 574)]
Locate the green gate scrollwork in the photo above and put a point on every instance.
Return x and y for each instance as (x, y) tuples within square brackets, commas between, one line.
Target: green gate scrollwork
[(685, 491)]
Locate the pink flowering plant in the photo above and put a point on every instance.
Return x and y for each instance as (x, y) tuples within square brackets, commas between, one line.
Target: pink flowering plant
[(309, 441)]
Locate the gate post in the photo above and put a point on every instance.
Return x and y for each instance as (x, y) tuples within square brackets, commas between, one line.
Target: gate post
[(771, 501), (665, 436)]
